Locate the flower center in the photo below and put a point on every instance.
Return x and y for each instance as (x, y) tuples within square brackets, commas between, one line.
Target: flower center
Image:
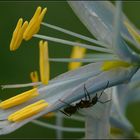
[(114, 64)]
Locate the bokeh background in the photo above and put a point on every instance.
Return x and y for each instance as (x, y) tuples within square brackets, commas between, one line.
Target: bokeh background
[(15, 67)]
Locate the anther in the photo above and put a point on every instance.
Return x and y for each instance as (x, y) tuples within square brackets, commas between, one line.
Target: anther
[(34, 24), (19, 99), (77, 52), (44, 62), (18, 34), (28, 111), (34, 77)]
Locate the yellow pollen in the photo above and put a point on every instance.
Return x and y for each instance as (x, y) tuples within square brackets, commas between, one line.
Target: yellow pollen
[(44, 62), (28, 111), (18, 34), (114, 64), (34, 24), (77, 52), (49, 115), (34, 77), (19, 99), (133, 32)]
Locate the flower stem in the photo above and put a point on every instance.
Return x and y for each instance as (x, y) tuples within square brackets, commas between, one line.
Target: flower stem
[(59, 122)]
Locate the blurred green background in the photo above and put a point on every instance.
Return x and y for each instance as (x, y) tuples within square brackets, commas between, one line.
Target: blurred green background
[(16, 66)]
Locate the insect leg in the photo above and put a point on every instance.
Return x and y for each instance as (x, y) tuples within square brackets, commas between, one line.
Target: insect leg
[(103, 90), (100, 94), (65, 113), (87, 93), (103, 102), (64, 102)]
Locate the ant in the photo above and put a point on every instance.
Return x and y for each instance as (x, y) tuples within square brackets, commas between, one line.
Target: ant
[(88, 102)]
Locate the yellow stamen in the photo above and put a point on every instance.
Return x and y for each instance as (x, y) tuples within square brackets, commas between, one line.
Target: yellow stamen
[(77, 52), (133, 32), (19, 99), (44, 62), (28, 111), (25, 108), (114, 64), (49, 115), (34, 24), (34, 77), (18, 34)]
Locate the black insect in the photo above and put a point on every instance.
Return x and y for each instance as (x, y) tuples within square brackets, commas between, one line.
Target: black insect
[(88, 102)]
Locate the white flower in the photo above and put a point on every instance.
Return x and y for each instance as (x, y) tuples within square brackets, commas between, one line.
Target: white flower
[(116, 63)]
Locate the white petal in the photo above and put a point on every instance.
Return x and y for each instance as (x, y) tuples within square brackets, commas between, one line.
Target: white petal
[(98, 17), (94, 68), (118, 115), (94, 84), (97, 118), (121, 48)]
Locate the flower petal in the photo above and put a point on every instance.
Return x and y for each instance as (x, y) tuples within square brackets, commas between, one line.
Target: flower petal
[(97, 118), (94, 84), (98, 17)]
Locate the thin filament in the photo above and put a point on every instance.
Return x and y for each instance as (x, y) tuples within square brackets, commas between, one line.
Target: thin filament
[(62, 41), (74, 34)]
